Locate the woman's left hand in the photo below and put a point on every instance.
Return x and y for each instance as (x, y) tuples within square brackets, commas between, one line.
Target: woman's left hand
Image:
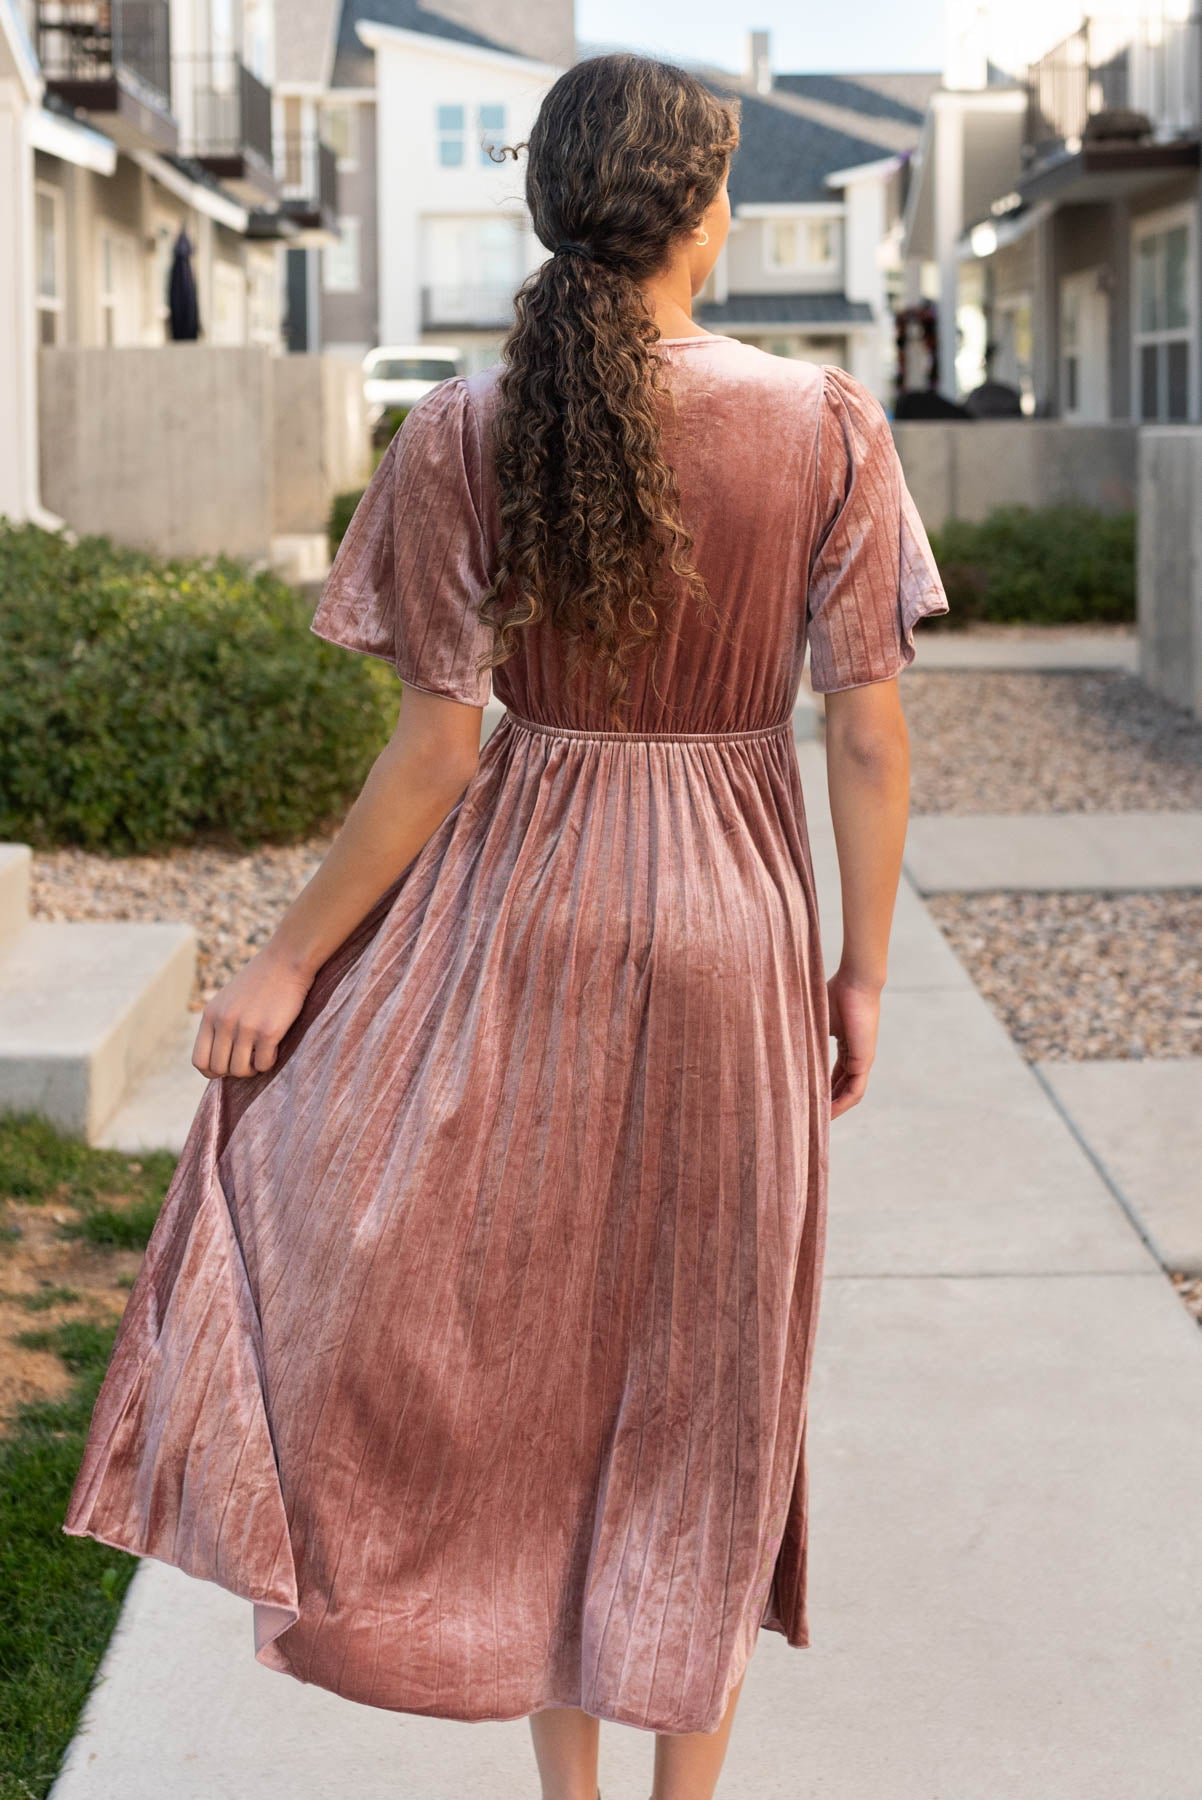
[(241, 1027)]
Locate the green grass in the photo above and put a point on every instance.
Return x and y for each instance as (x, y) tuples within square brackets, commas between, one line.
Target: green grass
[(39, 1164), (45, 1298), (61, 1594)]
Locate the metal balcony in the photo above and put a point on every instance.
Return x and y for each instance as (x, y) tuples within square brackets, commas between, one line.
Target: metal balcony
[(111, 59), (231, 134), (1115, 80), (308, 172), (485, 307)]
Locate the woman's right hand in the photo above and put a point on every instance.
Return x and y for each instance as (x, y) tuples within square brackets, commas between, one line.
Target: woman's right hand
[(855, 1014), (241, 1027)]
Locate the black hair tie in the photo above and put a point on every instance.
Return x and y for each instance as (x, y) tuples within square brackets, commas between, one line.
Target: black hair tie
[(570, 247)]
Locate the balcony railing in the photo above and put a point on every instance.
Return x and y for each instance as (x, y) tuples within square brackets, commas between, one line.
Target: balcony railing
[(1146, 66), (481, 307), (230, 112), (308, 172), (86, 44)]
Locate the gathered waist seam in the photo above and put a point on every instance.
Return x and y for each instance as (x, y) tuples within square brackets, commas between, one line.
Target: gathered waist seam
[(544, 729)]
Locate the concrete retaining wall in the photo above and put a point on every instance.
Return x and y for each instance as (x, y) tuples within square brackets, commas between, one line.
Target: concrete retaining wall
[(963, 470), (165, 448), (322, 440), (198, 449), (1170, 563)]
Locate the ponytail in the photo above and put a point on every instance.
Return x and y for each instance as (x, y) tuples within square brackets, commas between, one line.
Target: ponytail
[(625, 156)]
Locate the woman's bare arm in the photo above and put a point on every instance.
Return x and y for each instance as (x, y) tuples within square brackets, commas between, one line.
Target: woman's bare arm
[(412, 786), (868, 776)]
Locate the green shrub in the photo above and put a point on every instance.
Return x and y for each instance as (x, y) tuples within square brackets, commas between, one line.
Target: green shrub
[(147, 704), (387, 426), (342, 511), (1051, 565), (342, 507)]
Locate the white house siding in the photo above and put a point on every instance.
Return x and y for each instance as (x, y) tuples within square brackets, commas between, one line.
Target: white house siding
[(439, 227), (18, 417)]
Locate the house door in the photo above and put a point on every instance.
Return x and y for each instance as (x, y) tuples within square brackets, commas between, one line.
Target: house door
[(1084, 349), (120, 289)]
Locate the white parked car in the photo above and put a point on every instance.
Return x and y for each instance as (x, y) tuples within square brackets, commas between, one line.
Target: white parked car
[(398, 375)]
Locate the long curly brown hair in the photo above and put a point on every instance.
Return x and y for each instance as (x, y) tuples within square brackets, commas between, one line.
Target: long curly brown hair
[(625, 156)]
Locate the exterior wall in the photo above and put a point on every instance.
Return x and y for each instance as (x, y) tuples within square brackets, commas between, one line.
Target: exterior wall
[(411, 82), (962, 470), (149, 216), (238, 447), (748, 268), (190, 475), (1170, 563), (18, 419)]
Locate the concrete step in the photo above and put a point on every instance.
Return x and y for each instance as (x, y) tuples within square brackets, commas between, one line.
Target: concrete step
[(83, 1010), (16, 863), (158, 1111)]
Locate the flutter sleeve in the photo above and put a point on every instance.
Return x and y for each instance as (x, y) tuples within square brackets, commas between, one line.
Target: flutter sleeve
[(411, 570), (873, 574)]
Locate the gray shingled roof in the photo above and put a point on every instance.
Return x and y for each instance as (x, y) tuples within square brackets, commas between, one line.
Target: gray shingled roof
[(785, 153), (785, 309), (354, 63), (902, 95)]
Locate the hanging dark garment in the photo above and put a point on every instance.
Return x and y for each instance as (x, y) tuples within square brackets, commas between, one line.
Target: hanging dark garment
[(181, 293)]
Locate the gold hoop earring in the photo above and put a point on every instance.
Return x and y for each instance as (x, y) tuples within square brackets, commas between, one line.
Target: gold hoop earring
[(702, 240)]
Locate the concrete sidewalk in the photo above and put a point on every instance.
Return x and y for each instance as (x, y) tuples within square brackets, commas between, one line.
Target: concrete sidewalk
[(966, 853), (1006, 1457), (1029, 651)]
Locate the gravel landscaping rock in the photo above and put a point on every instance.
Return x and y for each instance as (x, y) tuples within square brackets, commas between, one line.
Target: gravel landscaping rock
[(1190, 1289), (232, 900), (1079, 976), (1072, 742)]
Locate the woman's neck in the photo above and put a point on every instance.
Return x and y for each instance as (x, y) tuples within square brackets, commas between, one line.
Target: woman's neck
[(669, 300)]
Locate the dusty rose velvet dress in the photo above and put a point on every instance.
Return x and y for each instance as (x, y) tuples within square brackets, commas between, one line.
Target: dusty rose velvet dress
[(473, 1342)]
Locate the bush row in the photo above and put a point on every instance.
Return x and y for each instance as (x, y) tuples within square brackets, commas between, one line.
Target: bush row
[(1052, 565), (148, 704)]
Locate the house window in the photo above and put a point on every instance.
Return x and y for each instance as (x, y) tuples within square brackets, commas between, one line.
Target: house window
[(490, 123), (452, 130), (48, 215), (1164, 309), (340, 129), (340, 262), (803, 243)]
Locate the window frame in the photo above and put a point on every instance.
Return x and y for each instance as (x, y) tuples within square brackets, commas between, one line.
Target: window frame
[(350, 232), (1158, 225), (53, 306), (348, 164), (486, 134), (803, 223), (446, 134)]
